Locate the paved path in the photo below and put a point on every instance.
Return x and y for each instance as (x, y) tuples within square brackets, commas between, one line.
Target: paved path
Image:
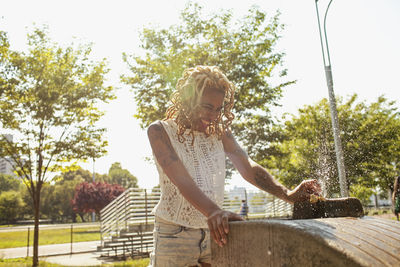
[(83, 254), (50, 250), (82, 259)]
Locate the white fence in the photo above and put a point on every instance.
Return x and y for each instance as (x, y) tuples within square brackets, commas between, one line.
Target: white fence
[(132, 207), (261, 205)]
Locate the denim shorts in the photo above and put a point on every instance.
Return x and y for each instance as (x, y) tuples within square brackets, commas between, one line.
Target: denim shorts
[(179, 246)]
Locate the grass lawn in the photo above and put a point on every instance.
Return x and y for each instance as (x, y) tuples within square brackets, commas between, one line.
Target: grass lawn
[(50, 236), (22, 262)]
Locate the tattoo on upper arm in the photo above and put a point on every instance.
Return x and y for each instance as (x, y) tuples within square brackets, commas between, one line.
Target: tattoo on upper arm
[(260, 179), (165, 154)]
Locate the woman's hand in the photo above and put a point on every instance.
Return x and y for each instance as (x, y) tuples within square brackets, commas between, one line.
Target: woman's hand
[(303, 191), (218, 225)]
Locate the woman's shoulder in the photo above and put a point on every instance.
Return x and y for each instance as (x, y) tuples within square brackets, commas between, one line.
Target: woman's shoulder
[(155, 125), (161, 126), (159, 123)]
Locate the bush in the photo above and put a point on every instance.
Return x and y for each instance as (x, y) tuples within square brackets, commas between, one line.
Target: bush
[(10, 205)]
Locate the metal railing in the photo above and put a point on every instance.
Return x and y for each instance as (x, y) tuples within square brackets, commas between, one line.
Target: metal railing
[(277, 208), (261, 205), (132, 207)]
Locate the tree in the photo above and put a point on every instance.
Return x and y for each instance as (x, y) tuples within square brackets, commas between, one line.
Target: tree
[(56, 200), (48, 202), (121, 176), (371, 143), (71, 175), (243, 49), (77, 172), (65, 190), (49, 97), (10, 205), (26, 210), (57, 197), (8, 182), (91, 197)]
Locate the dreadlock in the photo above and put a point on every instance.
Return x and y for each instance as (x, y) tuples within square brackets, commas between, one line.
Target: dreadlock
[(186, 98)]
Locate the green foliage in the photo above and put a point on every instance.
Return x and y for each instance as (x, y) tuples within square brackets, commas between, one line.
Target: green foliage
[(8, 182), (78, 174), (243, 49), (362, 193), (10, 204), (120, 176), (56, 197), (27, 206), (56, 200), (48, 100), (57, 204), (48, 205), (370, 137)]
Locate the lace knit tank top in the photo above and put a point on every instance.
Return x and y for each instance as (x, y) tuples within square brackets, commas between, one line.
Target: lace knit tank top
[(205, 162)]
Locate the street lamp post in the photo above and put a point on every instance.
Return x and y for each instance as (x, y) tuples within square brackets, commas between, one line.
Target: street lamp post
[(332, 101)]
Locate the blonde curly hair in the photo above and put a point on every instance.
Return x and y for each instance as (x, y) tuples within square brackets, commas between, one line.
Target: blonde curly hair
[(186, 99)]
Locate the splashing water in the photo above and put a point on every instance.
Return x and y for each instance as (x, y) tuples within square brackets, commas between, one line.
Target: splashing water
[(323, 171)]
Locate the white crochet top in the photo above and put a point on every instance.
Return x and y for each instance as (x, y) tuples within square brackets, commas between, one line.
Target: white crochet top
[(205, 162)]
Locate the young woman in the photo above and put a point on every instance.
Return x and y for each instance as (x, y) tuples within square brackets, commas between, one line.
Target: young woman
[(189, 147)]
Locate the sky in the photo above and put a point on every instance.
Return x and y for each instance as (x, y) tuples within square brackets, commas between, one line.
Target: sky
[(363, 38)]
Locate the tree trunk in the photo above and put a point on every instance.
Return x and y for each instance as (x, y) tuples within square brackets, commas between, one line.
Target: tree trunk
[(36, 208)]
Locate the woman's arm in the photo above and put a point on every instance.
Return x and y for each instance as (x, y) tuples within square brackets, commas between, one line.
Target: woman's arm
[(395, 189), (261, 178), (166, 156)]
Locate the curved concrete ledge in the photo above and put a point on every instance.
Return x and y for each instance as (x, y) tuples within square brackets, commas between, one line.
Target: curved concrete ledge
[(335, 242)]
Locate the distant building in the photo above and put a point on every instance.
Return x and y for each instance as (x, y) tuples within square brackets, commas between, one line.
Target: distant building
[(5, 166)]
